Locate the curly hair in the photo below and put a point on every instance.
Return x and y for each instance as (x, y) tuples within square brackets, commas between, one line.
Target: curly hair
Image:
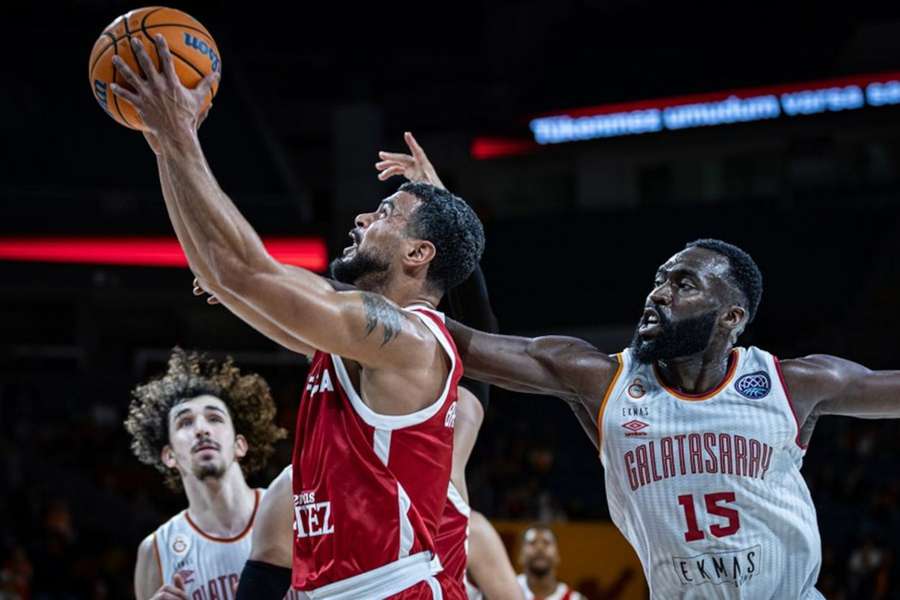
[(189, 375), (446, 221)]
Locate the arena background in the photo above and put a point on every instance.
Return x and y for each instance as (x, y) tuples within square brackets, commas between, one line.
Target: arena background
[(575, 232)]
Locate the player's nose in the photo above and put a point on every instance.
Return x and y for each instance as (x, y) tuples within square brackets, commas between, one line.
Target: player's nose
[(661, 294), (363, 220)]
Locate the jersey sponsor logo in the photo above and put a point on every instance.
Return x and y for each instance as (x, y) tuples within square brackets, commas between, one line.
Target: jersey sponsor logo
[(635, 428), (319, 382), (637, 390), (696, 453), (311, 518), (181, 544), (754, 385), (735, 568), (450, 419), (635, 411), (187, 575)]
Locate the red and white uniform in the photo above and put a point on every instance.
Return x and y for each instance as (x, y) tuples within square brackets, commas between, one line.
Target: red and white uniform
[(452, 543), (369, 489), (562, 591), (209, 566)]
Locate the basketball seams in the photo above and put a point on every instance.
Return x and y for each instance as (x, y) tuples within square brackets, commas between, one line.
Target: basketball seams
[(125, 120), (126, 32)]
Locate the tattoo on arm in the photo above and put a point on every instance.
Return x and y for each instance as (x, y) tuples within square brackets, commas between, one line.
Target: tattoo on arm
[(380, 312)]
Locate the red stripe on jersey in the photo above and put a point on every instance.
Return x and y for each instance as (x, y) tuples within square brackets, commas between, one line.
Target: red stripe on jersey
[(790, 400)]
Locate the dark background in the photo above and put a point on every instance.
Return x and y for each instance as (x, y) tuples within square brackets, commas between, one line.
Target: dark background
[(309, 93)]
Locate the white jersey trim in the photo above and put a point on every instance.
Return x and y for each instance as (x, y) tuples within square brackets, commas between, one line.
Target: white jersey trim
[(407, 535), (391, 422), (382, 582), (457, 500), (382, 443)]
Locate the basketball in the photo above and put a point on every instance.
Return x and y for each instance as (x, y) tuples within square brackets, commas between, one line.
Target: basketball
[(194, 53)]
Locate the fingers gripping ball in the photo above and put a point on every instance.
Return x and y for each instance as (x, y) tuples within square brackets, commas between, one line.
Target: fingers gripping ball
[(194, 53)]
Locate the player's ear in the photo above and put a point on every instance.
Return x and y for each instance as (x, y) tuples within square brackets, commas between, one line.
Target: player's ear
[(240, 446), (735, 319), (167, 455), (419, 253)]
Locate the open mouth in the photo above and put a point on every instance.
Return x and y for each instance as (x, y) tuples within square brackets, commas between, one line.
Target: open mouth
[(352, 247), (650, 323)]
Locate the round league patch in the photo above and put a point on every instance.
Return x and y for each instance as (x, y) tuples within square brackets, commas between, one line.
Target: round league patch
[(180, 545), (754, 385)]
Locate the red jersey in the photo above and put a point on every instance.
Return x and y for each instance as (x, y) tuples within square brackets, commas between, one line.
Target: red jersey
[(369, 489), (452, 544)]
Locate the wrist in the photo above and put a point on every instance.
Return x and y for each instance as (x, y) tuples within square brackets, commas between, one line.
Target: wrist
[(181, 140)]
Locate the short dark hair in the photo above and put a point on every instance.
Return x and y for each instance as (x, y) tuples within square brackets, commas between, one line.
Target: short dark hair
[(189, 375), (742, 271), (446, 221)]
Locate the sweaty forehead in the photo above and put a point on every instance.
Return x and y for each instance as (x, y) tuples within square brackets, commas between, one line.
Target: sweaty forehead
[(404, 202), (699, 260)]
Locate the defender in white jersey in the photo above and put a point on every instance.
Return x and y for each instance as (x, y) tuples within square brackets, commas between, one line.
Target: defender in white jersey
[(702, 442), (539, 559), (203, 424)]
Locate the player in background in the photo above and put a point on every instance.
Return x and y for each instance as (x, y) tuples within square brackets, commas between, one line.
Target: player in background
[(376, 420), (204, 425), (539, 559)]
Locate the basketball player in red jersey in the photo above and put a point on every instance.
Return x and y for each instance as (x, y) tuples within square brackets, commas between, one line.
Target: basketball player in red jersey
[(205, 425), (462, 533), (374, 437)]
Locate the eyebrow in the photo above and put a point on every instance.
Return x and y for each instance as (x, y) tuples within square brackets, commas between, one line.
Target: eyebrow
[(186, 410)]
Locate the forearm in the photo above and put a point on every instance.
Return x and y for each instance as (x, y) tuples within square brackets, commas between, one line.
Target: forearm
[(217, 240)]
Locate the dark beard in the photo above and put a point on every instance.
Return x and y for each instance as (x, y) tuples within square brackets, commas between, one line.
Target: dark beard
[(683, 338), (541, 569), (362, 270), (209, 472)]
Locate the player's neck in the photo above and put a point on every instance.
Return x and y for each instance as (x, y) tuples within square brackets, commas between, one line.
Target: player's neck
[(221, 507), (407, 292), (698, 373), (542, 586)]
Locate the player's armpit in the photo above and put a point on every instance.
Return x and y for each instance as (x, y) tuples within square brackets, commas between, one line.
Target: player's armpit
[(828, 385), (489, 565), (147, 573)]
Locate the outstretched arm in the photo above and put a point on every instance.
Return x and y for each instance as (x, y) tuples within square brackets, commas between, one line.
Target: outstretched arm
[(552, 365), (229, 257), (827, 385)]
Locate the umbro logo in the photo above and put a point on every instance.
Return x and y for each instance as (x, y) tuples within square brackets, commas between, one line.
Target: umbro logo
[(635, 428)]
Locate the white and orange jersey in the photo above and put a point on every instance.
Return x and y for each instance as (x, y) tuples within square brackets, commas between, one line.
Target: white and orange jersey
[(708, 488), (562, 591), (209, 566)]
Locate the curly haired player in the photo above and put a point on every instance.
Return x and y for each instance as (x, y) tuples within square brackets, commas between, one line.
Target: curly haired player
[(204, 425)]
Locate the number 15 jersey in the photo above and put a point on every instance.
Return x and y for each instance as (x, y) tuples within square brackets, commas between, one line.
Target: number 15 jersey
[(707, 488)]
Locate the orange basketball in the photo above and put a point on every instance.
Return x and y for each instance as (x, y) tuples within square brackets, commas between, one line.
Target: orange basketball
[(193, 50)]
